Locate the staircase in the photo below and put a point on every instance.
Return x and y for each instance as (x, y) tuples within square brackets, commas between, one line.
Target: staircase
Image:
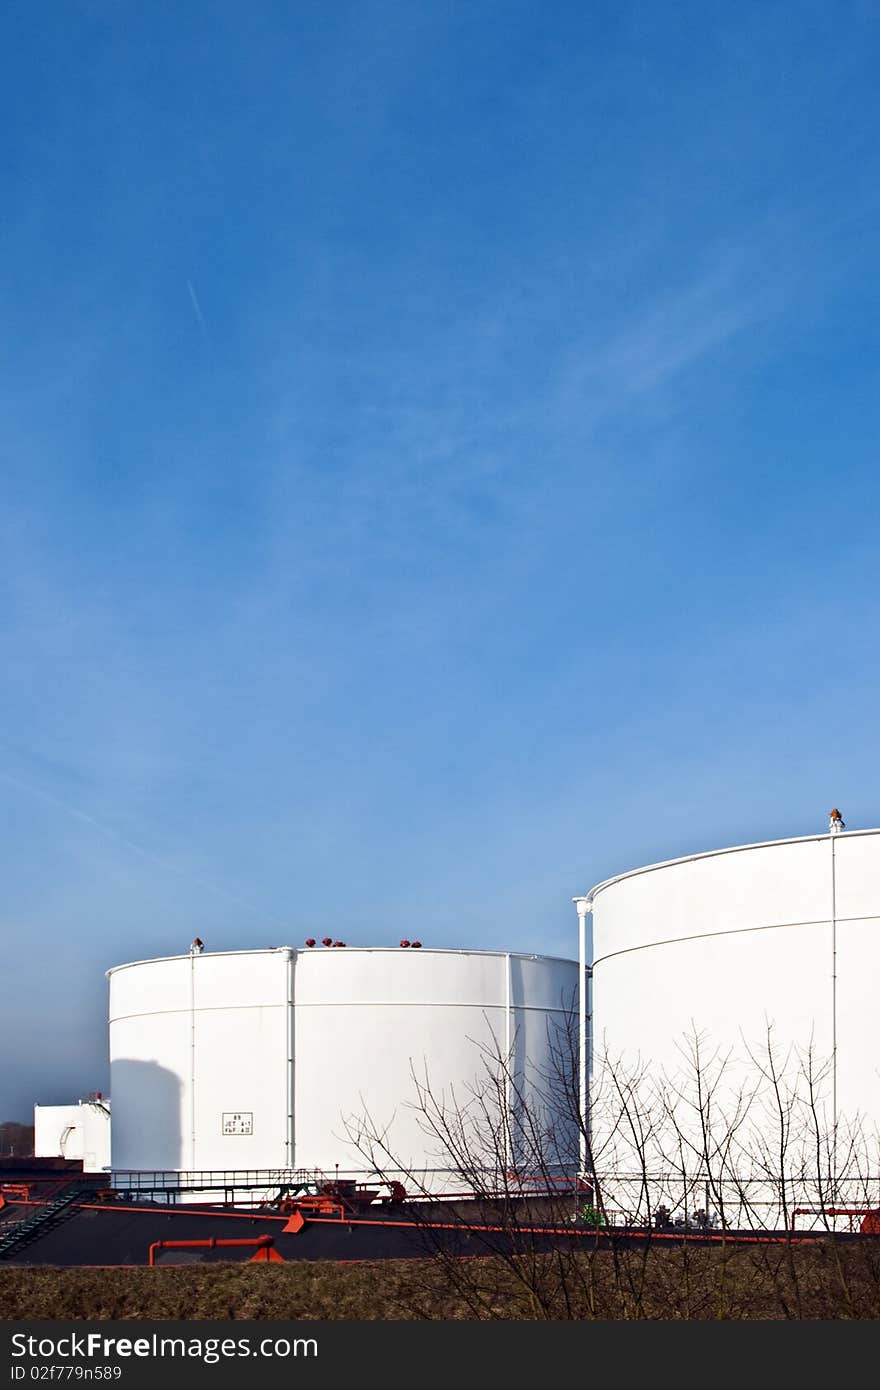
[(16, 1236)]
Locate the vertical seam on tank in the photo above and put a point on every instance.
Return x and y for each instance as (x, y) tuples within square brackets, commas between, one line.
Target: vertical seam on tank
[(192, 1060), (507, 1063), (291, 1134), (834, 998)]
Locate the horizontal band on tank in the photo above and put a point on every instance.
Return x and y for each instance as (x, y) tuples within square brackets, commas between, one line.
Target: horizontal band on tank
[(733, 931), (501, 1007), (319, 952), (730, 849)]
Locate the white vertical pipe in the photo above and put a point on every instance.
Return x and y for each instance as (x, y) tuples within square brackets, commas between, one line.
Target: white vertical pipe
[(507, 1063), (832, 838), (290, 1140), (583, 905), (192, 1060)]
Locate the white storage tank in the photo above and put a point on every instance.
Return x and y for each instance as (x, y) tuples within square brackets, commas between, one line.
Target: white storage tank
[(783, 934), (80, 1131), (258, 1059)]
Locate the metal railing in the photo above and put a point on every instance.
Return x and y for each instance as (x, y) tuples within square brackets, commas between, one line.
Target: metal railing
[(170, 1183)]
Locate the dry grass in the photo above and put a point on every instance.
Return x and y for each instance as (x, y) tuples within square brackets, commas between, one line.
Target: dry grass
[(301, 1290), (820, 1281)]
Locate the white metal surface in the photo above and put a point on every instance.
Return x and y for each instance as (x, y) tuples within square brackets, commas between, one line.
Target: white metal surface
[(266, 1059), (584, 907), (783, 934), (80, 1131)]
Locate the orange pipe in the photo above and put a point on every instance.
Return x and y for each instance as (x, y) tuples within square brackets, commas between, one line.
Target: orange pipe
[(166, 1211), (830, 1211), (262, 1242), (590, 1233)]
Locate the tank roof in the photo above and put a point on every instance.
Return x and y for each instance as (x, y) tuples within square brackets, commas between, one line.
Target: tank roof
[(320, 950), (730, 849)]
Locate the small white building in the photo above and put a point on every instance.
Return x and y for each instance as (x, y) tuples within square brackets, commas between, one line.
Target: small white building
[(80, 1131)]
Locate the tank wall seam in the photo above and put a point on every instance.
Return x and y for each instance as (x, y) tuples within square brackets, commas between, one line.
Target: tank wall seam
[(716, 935)]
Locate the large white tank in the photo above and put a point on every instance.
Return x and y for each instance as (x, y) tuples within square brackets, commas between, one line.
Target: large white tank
[(783, 934), (265, 1059)]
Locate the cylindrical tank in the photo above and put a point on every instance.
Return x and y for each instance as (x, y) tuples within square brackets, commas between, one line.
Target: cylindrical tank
[(80, 1131), (782, 935), (276, 1058)]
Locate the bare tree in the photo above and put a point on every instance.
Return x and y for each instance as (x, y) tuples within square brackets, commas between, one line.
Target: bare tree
[(693, 1186)]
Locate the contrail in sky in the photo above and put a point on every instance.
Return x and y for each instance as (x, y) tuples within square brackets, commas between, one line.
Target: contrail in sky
[(198, 312), (137, 849)]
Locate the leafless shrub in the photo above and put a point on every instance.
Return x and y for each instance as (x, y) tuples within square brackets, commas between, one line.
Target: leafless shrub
[(736, 1149)]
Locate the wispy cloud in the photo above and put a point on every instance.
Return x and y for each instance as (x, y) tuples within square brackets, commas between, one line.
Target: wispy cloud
[(85, 819), (679, 328), (197, 310)]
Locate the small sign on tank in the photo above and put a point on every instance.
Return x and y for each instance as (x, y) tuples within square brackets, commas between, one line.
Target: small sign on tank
[(237, 1122)]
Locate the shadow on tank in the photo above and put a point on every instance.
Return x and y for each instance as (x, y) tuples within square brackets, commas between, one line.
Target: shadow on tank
[(147, 1126)]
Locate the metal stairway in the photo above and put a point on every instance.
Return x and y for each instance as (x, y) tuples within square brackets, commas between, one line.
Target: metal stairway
[(15, 1237)]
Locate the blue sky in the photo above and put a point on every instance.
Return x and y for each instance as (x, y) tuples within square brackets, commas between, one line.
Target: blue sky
[(439, 470)]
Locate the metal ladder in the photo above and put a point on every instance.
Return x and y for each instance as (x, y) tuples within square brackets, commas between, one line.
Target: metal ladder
[(16, 1237)]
